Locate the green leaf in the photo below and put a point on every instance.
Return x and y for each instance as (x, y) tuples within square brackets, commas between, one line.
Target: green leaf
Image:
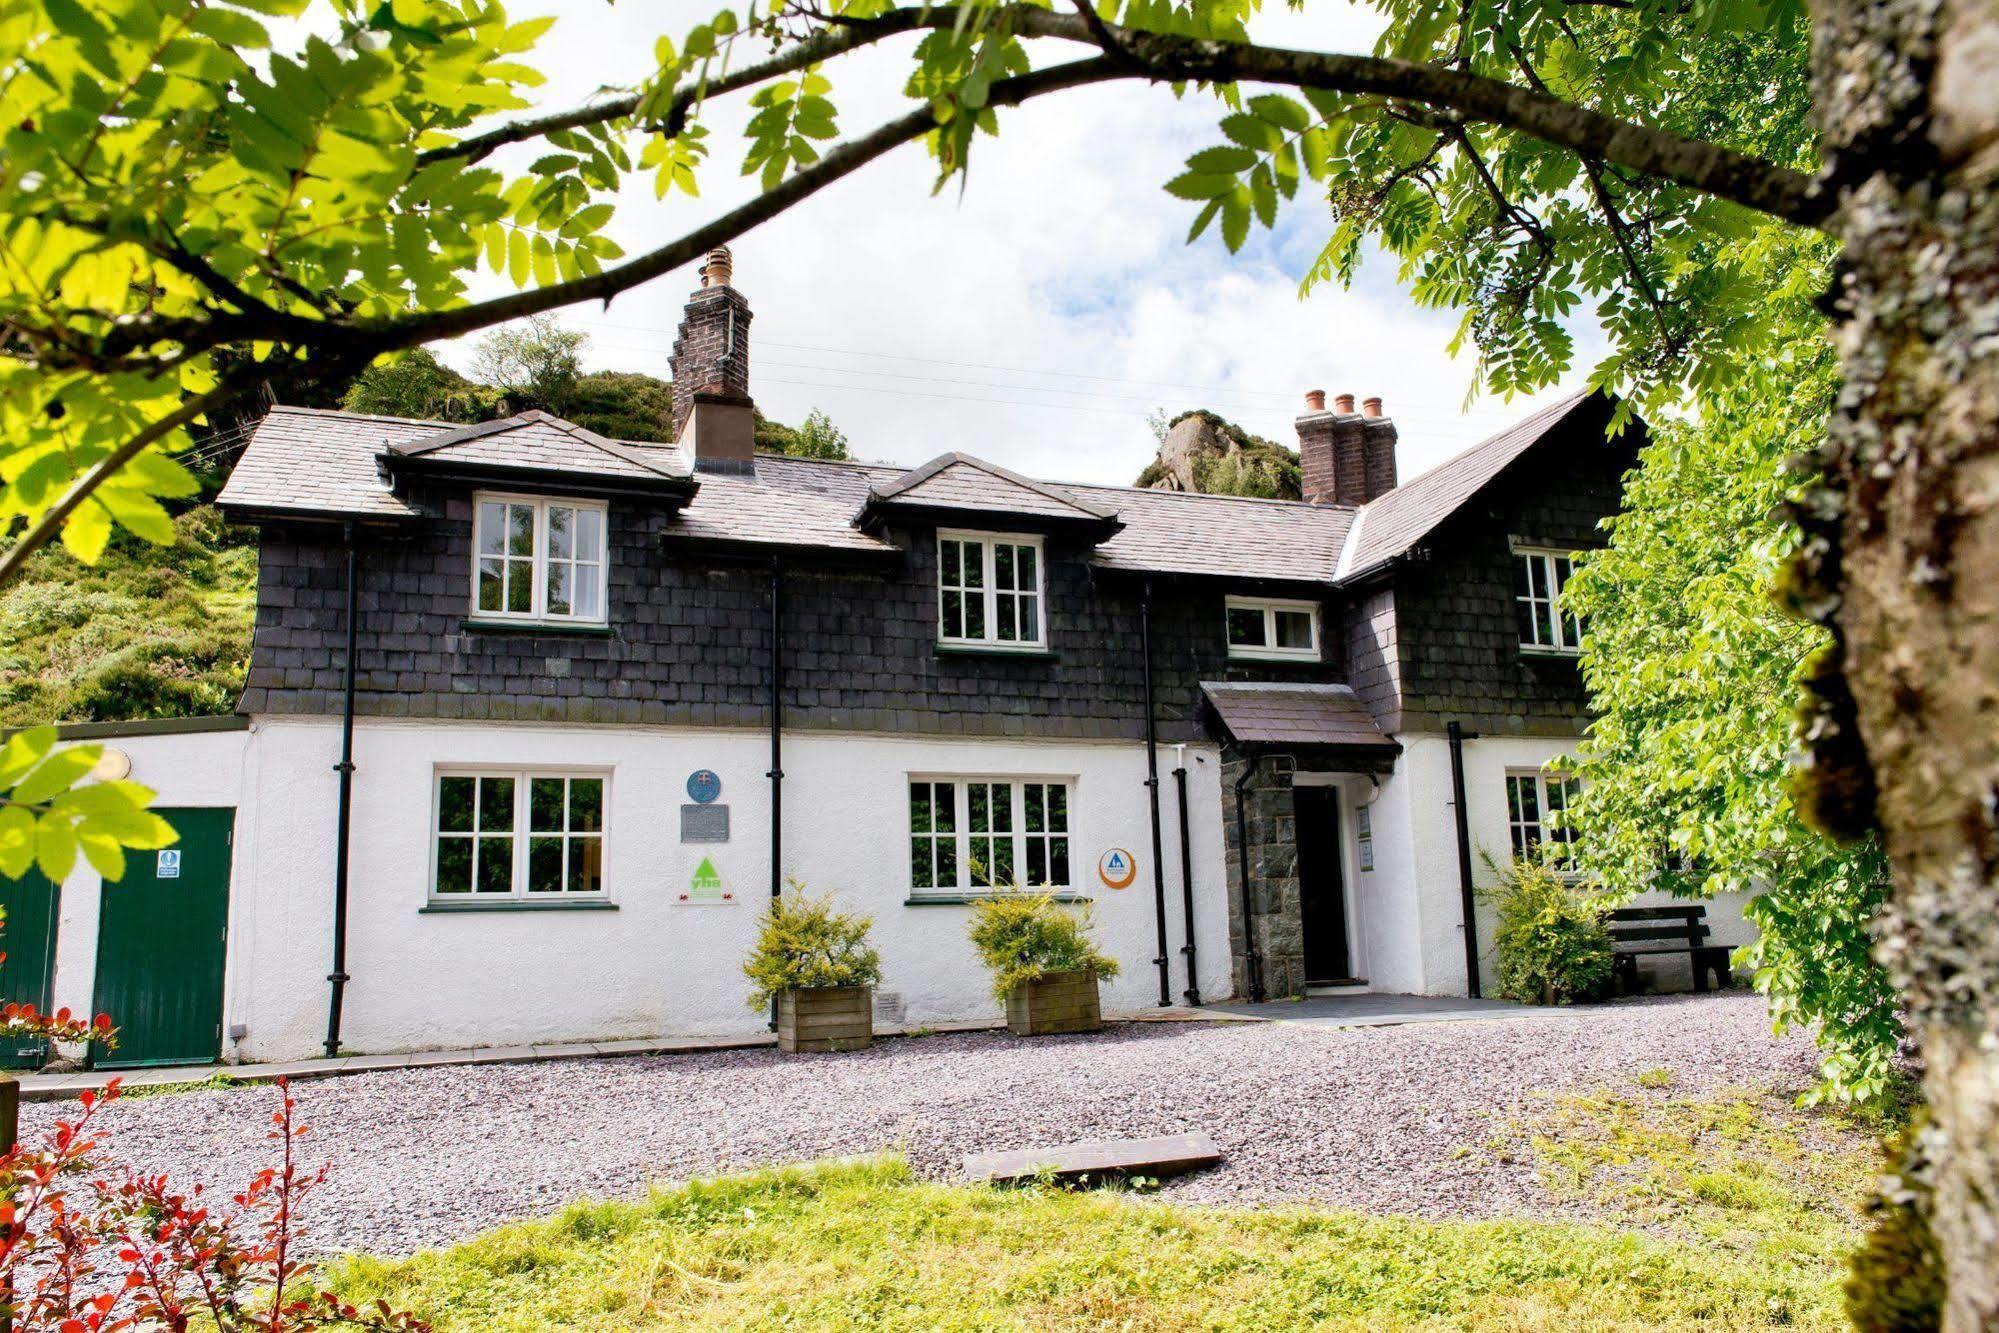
[(56, 774), (1250, 132), (1194, 186)]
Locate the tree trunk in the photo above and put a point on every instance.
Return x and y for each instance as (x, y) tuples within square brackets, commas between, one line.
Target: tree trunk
[(1902, 560)]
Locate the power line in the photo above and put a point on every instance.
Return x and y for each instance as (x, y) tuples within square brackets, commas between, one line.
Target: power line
[(955, 397), (963, 365)]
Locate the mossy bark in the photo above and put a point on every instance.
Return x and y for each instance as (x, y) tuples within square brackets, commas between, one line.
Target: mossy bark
[(1902, 560)]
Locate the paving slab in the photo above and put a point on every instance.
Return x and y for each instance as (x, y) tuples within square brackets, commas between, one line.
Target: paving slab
[(1362, 1011), (1159, 1157)]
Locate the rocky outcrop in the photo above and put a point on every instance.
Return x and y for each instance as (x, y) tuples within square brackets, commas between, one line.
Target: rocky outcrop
[(1205, 453)]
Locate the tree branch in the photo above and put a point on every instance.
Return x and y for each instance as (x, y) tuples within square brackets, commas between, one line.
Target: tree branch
[(808, 51), (50, 523), (1708, 168)]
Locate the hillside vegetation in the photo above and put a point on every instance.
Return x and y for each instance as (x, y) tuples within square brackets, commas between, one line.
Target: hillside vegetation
[(149, 631)]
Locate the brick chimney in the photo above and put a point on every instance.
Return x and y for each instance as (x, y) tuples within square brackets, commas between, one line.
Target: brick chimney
[(712, 409), (1345, 458)]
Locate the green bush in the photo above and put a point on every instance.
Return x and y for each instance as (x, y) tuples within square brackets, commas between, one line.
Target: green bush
[(1553, 948), (1023, 937), (803, 942)]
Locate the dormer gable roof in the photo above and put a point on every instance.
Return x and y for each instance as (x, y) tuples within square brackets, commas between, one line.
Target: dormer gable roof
[(539, 445), (959, 487)]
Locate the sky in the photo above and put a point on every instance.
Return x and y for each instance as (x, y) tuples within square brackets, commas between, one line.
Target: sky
[(1037, 317)]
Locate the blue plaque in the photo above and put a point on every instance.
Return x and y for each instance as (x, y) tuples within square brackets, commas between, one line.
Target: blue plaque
[(704, 785)]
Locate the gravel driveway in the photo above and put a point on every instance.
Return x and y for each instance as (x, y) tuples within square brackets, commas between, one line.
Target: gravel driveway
[(1366, 1118)]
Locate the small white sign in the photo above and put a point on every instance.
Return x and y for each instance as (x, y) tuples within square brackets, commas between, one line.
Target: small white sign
[(169, 864)]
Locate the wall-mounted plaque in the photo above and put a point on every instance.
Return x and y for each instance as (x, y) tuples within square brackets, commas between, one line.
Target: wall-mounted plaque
[(704, 785), (704, 823)]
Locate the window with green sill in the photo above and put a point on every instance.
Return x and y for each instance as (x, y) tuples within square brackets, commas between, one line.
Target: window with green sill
[(517, 836), (975, 835), (538, 560), (989, 591)]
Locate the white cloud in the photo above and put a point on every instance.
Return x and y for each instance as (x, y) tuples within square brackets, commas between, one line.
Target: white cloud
[(1057, 287)]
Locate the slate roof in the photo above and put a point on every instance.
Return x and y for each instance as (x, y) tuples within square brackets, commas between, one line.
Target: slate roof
[(303, 460), (539, 441), (960, 481), (1294, 715), (311, 461), (1402, 518)]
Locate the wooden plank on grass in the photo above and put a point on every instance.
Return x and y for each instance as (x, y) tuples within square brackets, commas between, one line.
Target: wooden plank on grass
[(1169, 1155)]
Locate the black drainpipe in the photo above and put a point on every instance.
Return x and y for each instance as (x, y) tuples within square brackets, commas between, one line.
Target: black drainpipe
[(1252, 957), (1152, 791), (1458, 736), (344, 812), (776, 773), (1193, 991)]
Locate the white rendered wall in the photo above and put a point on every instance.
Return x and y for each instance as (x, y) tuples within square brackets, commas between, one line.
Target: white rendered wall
[(1438, 912), (655, 966)]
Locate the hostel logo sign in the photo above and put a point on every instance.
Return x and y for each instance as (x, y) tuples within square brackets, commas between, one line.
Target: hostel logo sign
[(706, 885), (1117, 868)]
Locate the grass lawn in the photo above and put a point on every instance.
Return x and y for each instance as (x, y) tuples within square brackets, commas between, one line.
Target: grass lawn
[(1729, 1213)]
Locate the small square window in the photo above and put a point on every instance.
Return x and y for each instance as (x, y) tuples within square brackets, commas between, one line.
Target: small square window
[(989, 590), (1263, 628)]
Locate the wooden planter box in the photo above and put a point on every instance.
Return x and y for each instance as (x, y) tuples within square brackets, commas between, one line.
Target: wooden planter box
[(826, 1018), (1059, 1002)]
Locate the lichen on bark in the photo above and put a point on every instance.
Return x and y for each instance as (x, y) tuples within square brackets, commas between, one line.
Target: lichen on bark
[(1901, 560)]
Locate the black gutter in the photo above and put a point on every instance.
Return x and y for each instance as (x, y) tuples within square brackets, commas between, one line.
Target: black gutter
[(1152, 791), (1252, 957), (1193, 991), (1458, 736), (776, 773), (343, 817)]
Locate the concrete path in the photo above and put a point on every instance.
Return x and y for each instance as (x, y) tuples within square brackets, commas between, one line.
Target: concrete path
[(1366, 1011)]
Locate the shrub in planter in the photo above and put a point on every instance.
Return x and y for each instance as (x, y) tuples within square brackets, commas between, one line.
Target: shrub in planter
[(1553, 948), (1045, 968), (818, 966)]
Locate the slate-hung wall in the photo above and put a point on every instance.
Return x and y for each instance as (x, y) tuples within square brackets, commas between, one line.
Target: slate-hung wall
[(1456, 635), (688, 642)]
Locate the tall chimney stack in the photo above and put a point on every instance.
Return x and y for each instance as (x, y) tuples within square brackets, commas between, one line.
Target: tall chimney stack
[(713, 413), (1344, 458)]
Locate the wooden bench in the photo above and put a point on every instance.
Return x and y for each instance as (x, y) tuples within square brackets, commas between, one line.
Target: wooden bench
[(1639, 932)]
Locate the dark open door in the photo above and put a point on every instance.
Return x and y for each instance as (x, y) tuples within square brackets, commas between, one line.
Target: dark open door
[(160, 946), (1322, 899), (27, 973)]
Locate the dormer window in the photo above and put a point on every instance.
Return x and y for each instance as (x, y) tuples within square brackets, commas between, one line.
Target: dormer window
[(989, 591), (1537, 598), (1267, 629), (538, 559)]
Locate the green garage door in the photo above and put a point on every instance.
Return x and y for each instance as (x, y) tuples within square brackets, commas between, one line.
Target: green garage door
[(161, 938), (27, 973)]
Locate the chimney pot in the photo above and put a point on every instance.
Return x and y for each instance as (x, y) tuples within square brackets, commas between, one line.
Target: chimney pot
[(1344, 404), (1370, 407), (1315, 400), (719, 268)]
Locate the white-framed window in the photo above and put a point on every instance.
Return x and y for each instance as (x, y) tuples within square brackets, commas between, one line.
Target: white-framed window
[(1535, 801), (1270, 628), (972, 835), (500, 834), (989, 590), (536, 558), (1540, 577)]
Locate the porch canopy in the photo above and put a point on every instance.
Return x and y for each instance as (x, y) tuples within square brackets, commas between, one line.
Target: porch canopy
[(1329, 720)]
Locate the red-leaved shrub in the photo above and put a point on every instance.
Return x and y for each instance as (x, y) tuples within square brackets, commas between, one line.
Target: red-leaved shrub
[(90, 1249)]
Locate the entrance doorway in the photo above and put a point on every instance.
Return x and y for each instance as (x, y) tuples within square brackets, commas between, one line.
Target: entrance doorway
[(1322, 897), (161, 942), (27, 972)]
